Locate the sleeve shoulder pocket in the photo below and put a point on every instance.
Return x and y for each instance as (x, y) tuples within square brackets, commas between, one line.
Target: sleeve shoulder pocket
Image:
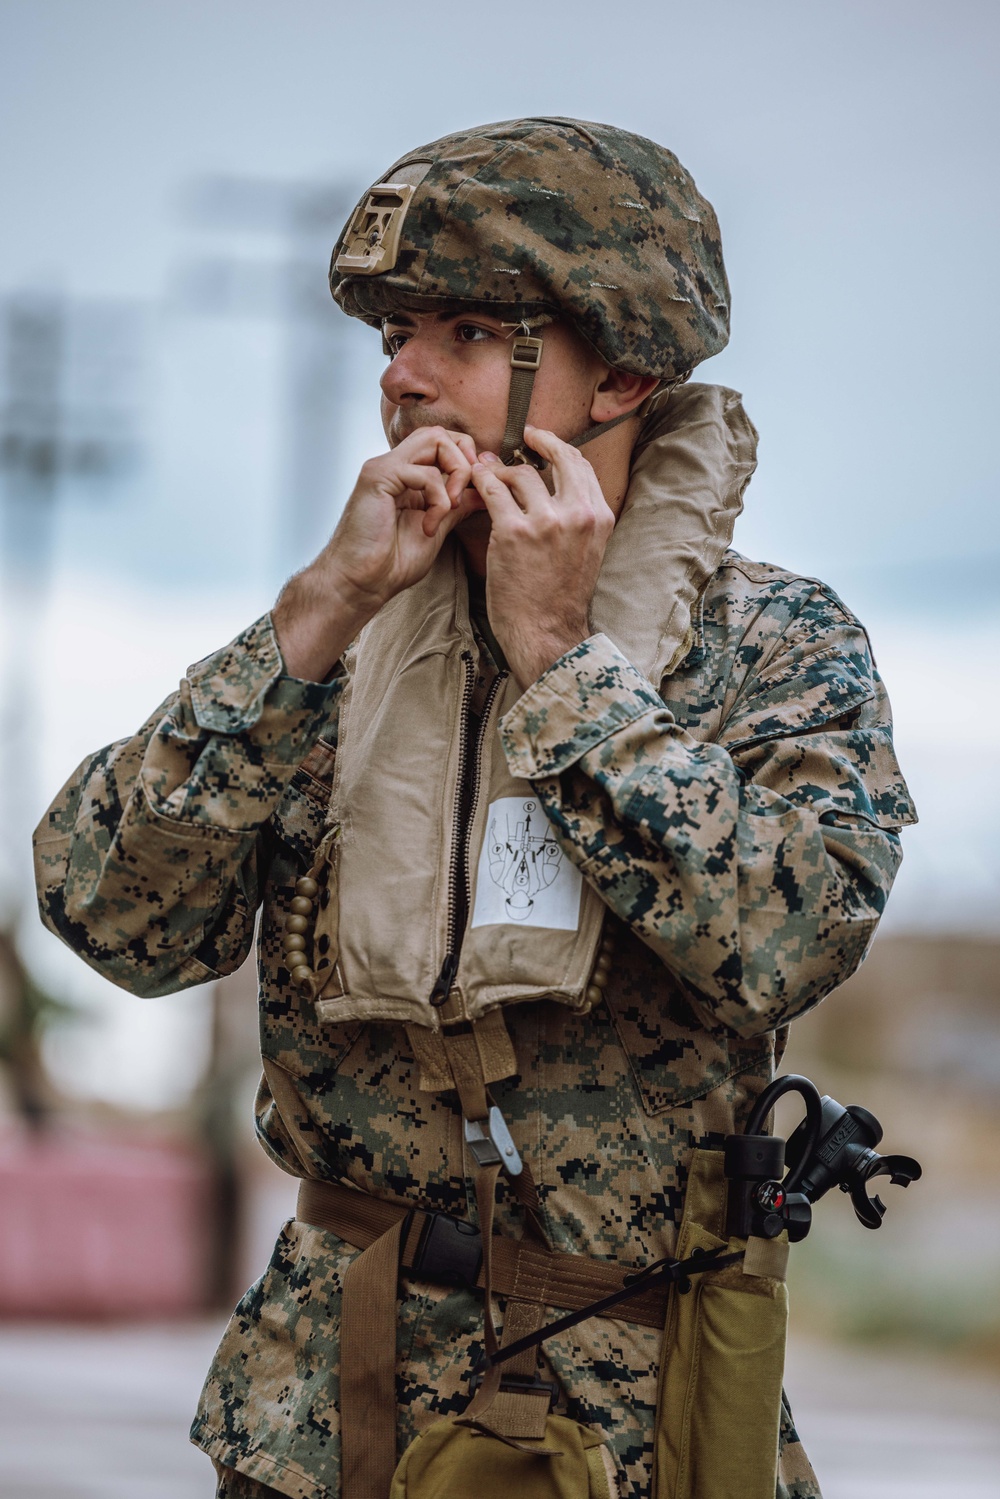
[(796, 696)]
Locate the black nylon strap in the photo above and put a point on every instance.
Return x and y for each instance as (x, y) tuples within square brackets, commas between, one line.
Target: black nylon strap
[(595, 431)]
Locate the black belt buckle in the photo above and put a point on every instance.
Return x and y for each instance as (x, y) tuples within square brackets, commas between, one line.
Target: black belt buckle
[(520, 1384), (448, 1250)]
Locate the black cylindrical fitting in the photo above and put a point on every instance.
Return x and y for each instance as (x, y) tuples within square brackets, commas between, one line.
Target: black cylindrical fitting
[(755, 1157)]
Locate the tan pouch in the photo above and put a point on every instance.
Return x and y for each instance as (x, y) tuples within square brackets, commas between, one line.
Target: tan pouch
[(455, 1460), (719, 1397)]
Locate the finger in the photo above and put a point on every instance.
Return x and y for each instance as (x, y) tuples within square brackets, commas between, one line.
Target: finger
[(456, 455), (453, 453), (569, 467), (494, 489), (465, 444), (444, 524), (422, 487), (521, 479), (527, 486)]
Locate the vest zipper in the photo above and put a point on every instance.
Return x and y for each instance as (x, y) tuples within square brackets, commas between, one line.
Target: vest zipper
[(477, 765), (467, 792)]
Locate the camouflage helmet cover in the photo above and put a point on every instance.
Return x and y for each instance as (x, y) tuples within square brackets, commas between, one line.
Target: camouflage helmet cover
[(550, 216)]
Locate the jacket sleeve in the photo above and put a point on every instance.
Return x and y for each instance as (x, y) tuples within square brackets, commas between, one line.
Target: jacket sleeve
[(755, 866), (150, 860)]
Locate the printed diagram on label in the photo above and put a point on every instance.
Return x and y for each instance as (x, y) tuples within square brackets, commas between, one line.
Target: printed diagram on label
[(522, 862), (523, 875)]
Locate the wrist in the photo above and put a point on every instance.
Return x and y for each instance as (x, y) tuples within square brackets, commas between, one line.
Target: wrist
[(531, 658), (315, 619)]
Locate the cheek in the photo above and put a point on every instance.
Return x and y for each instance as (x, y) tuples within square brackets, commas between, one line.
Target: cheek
[(387, 411), (476, 392), (562, 405)]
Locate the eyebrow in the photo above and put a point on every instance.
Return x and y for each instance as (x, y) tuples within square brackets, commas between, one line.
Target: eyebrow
[(407, 319)]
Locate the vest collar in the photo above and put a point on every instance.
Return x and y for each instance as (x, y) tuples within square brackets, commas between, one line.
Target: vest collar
[(691, 465)]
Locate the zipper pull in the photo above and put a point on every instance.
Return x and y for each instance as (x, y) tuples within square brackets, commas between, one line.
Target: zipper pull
[(444, 980)]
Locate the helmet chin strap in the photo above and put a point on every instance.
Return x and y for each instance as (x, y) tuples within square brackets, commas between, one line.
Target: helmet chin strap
[(525, 358)]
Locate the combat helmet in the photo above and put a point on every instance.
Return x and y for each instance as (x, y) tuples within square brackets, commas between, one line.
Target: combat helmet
[(540, 218)]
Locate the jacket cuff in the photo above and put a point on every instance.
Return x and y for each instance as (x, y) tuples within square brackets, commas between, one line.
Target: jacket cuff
[(589, 694), (243, 687)]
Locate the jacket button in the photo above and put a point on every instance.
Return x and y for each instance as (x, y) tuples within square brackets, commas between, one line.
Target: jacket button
[(300, 906), (307, 887)]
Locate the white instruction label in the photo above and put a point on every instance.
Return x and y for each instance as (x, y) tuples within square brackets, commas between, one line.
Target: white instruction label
[(523, 876)]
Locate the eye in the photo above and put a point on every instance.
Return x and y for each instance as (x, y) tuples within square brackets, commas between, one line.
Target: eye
[(472, 333), (394, 341)]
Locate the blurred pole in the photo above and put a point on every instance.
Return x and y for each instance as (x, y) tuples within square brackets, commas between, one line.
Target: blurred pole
[(20, 1048), (234, 1062), (29, 454), (31, 459), (48, 433), (306, 218)]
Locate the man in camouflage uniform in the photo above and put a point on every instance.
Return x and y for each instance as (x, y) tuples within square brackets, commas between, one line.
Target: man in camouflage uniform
[(707, 737)]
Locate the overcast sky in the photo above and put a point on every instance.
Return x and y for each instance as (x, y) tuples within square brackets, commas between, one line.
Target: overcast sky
[(849, 147)]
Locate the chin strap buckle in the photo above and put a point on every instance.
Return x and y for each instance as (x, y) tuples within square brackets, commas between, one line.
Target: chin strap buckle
[(525, 353)]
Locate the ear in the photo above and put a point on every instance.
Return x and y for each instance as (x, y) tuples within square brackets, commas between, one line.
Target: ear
[(618, 393)]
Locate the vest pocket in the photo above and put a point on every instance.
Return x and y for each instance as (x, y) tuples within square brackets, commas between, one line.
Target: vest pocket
[(672, 1058)]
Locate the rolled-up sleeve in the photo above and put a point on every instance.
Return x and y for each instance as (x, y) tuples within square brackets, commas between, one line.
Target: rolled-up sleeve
[(147, 862)]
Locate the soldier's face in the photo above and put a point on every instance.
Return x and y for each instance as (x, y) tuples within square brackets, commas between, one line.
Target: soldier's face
[(454, 371)]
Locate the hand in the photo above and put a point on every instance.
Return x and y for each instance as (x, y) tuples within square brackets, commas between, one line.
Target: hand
[(544, 554), (393, 527)]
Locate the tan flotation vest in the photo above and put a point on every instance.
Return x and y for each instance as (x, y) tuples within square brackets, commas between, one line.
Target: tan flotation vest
[(532, 925)]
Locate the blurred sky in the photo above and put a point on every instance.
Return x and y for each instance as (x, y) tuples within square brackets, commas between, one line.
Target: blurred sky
[(850, 151)]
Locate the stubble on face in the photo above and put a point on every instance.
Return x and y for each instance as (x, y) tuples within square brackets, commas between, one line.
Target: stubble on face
[(406, 420)]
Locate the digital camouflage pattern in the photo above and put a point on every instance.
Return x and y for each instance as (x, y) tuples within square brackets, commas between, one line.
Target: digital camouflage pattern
[(566, 216), (743, 826)]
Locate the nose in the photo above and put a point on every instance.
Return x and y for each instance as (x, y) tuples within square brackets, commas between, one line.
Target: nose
[(410, 375)]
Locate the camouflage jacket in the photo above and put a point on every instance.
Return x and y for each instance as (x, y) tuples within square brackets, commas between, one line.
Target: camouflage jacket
[(742, 825)]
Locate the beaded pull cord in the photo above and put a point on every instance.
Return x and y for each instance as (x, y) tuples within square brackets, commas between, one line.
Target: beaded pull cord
[(594, 992), (311, 889), (297, 925)]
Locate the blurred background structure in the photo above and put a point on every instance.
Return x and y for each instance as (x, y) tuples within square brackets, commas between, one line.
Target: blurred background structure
[(182, 412)]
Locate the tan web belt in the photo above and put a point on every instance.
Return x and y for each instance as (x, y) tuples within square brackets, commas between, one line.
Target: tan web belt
[(447, 1250)]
